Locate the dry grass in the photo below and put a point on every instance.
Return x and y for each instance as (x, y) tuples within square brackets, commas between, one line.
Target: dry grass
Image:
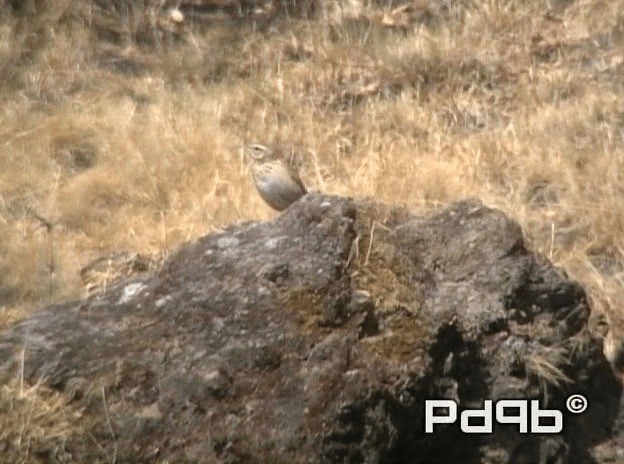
[(35, 422), (546, 365), (124, 132), (125, 143)]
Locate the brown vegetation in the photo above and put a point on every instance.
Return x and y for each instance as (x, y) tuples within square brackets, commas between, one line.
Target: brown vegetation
[(121, 127)]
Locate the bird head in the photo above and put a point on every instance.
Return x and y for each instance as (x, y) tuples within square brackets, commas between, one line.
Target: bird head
[(257, 152)]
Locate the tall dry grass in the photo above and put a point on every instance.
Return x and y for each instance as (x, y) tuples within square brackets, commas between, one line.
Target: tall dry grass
[(120, 130), (122, 138), (126, 139)]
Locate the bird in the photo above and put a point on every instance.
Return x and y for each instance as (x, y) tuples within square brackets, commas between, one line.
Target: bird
[(277, 181)]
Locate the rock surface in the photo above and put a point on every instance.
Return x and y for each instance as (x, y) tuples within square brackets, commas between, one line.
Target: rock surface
[(317, 337)]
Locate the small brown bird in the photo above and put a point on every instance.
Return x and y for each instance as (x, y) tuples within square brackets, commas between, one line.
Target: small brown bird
[(276, 179)]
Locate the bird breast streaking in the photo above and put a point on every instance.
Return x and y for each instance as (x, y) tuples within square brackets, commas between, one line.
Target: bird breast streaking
[(275, 178)]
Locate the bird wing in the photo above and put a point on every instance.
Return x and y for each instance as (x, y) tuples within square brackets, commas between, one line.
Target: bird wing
[(295, 176)]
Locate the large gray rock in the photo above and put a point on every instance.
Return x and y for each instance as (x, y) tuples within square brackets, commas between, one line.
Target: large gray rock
[(317, 337)]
